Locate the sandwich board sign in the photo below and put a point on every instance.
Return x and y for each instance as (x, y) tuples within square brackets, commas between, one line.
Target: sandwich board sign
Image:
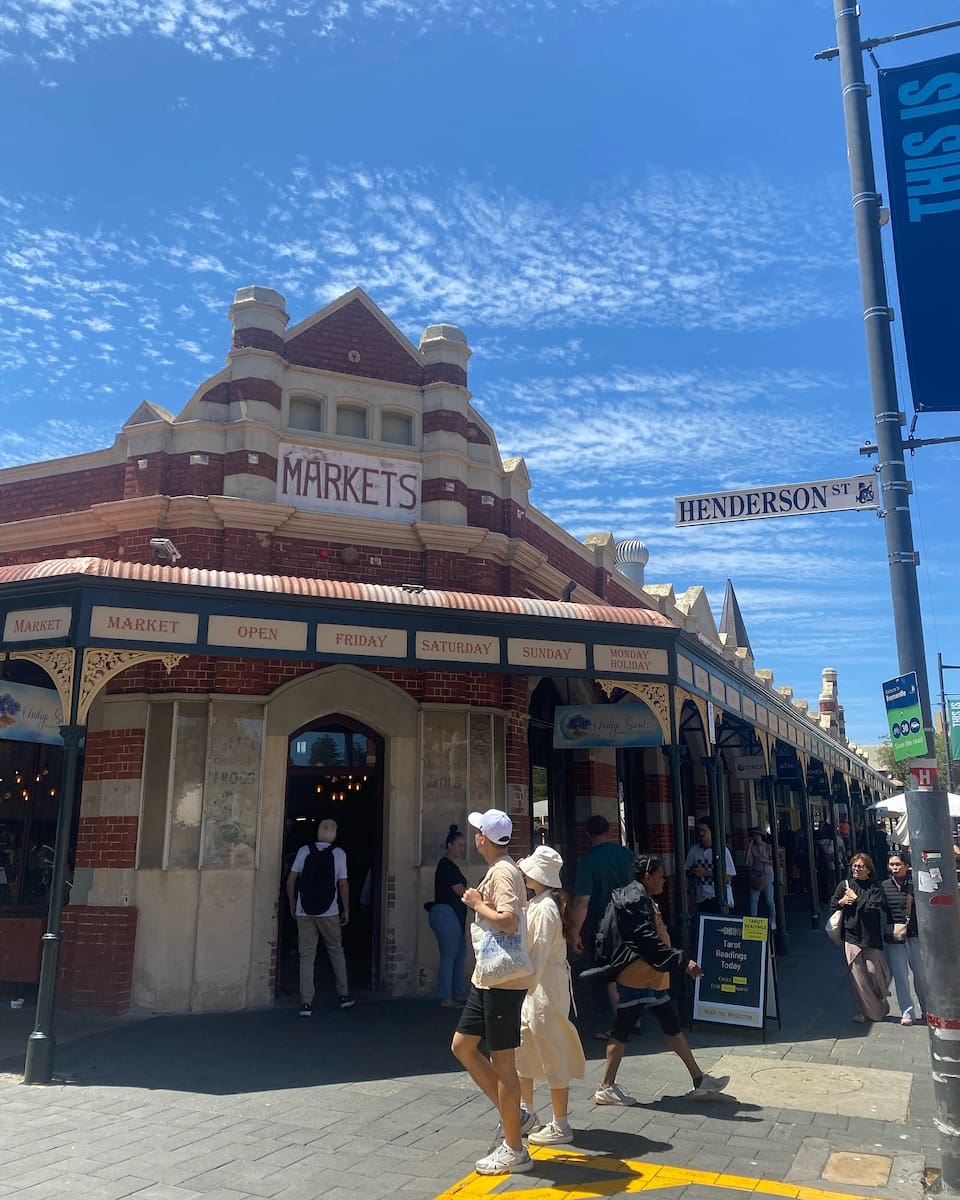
[(734, 955)]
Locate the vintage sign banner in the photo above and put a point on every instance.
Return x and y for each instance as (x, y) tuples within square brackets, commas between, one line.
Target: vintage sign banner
[(582, 725)]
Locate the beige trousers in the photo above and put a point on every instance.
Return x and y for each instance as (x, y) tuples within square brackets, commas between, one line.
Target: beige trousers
[(310, 931)]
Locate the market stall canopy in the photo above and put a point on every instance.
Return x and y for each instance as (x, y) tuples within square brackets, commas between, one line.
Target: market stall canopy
[(897, 805)]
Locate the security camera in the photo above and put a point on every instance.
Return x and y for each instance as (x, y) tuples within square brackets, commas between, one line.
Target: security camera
[(165, 550)]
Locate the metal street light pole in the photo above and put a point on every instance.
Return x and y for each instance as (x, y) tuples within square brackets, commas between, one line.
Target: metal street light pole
[(938, 913), (945, 718)]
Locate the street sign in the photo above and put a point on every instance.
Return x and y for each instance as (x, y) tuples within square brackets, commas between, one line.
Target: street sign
[(923, 778), (904, 717), (781, 500)]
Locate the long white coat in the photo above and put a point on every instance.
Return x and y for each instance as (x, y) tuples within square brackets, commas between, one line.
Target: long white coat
[(550, 1046)]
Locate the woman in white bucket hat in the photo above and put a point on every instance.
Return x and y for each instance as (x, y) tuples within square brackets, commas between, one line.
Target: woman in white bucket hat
[(550, 1046)]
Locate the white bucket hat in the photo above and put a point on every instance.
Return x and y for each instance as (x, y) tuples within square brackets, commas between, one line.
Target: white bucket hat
[(543, 865)]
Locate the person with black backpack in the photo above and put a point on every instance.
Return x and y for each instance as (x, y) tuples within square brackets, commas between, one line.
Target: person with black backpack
[(319, 896), (633, 948)]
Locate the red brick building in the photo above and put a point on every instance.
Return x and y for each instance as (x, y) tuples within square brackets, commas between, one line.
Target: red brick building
[(319, 590)]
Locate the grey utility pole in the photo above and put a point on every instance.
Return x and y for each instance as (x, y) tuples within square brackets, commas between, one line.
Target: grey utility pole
[(931, 843)]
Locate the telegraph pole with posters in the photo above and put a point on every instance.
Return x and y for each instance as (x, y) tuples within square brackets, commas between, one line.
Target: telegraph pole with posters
[(921, 110)]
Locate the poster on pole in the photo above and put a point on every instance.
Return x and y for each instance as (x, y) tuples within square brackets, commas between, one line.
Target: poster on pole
[(920, 111), (902, 699), (732, 951)]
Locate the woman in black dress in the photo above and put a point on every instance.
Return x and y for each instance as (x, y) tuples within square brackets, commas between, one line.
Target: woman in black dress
[(448, 917)]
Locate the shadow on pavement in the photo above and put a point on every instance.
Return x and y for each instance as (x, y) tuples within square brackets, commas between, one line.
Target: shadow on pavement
[(721, 1107), (612, 1144), (266, 1050), (272, 1049)]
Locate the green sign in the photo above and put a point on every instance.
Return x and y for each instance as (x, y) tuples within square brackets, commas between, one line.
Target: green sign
[(953, 712), (904, 717)]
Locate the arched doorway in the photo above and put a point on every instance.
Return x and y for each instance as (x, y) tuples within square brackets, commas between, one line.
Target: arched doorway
[(335, 769)]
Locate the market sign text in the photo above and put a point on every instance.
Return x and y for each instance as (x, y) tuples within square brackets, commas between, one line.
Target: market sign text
[(355, 485)]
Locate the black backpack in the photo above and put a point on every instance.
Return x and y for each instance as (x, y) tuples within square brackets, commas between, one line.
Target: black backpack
[(614, 947), (316, 883), (608, 939)]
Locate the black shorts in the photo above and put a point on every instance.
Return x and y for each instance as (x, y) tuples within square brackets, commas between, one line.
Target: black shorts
[(628, 1018), (494, 1015)]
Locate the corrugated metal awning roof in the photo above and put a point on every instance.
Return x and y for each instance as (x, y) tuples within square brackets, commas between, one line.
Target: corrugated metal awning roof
[(332, 589)]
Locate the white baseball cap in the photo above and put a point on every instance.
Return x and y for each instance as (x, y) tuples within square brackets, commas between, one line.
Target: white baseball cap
[(494, 824)]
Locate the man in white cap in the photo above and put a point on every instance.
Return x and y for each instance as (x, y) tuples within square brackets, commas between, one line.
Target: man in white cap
[(493, 1013)]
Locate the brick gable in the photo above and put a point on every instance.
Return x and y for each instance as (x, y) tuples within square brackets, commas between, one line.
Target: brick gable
[(327, 343)]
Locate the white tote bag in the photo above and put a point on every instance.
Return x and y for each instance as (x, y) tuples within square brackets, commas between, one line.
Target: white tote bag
[(501, 957), (834, 926)]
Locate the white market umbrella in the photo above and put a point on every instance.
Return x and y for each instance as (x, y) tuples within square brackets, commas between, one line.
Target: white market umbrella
[(897, 805)]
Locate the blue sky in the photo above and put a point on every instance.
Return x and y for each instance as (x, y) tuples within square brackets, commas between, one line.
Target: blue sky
[(638, 210)]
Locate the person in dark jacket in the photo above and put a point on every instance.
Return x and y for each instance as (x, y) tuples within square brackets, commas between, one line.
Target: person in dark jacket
[(903, 952), (641, 970), (865, 912)]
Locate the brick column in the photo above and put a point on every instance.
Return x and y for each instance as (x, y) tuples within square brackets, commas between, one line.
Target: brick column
[(96, 964), (517, 754)]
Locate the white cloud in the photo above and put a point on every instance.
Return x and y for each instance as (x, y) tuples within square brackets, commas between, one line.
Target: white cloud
[(241, 29)]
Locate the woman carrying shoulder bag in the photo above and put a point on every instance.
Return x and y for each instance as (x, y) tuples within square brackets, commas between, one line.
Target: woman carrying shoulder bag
[(900, 940), (760, 863), (865, 911)]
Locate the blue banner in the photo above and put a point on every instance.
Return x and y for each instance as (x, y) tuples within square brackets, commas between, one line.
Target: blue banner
[(30, 714), (582, 725), (920, 107)]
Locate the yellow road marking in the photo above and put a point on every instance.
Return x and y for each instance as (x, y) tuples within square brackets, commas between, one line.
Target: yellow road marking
[(625, 1176)]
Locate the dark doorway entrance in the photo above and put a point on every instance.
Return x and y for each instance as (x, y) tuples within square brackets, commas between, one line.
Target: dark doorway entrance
[(335, 769)]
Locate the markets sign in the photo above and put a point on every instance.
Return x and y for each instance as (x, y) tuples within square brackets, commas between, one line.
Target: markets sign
[(904, 717), (605, 725), (732, 953), (920, 108), (782, 500), (353, 485), (30, 714)]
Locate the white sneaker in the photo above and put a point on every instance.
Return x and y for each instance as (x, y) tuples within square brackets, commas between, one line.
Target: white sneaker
[(504, 1161), (614, 1094), (710, 1083), (529, 1121), (554, 1133)]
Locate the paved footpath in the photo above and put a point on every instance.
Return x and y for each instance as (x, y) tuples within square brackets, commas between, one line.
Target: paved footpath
[(369, 1104)]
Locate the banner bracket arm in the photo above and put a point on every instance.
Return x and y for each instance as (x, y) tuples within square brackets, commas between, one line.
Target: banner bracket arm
[(872, 43)]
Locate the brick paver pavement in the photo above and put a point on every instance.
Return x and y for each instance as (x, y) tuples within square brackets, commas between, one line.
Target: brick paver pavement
[(368, 1104)]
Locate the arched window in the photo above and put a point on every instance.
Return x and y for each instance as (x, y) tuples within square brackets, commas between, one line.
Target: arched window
[(397, 427), (352, 421), (306, 412)]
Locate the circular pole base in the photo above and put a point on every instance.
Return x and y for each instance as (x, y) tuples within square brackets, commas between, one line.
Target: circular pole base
[(38, 1067)]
